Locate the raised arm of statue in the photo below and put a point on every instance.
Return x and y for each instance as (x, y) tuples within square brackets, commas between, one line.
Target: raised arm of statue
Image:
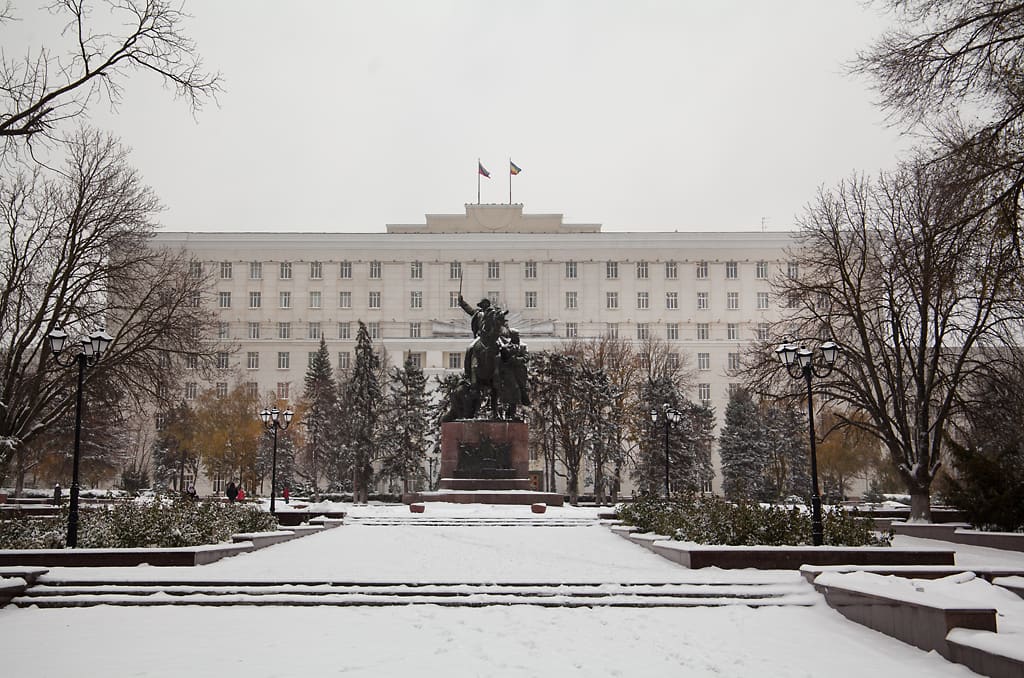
[(466, 307)]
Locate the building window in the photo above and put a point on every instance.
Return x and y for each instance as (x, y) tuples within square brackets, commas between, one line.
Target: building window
[(195, 269), (191, 361), (373, 329), (453, 300), (286, 270), (641, 269), (285, 299), (762, 270), (283, 360), (314, 331), (642, 300), (643, 331), (672, 331), (734, 388), (195, 299), (703, 361), (255, 270), (703, 331), (530, 270), (762, 301), (374, 300), (731, 270), (704, 394), (345, 299), (455, 271), (223, 330), (671, 300), (570, 269), (611, 300), (611, 270), (702, 270), (571, 300), (344, 330), (415, 359), (611, 330), (734, 361), (415, 299), (374, 269), (416, 270), (222, 361), (570, 330), (316, 270), (732, 332), (671, 270), (702, 301), (222, 389), (283, 390), (344, 360), (191, 390), (454, 361), (255, 299), (225, 270), (531, 300), (762, 331), (732, 300), (492, 296), (345, 270), (252, 360), (673, 360), (254, 330), (414, 330), (493, 270), (310, 357), (284, 330), (252, 389), (793, 270), (314, 299), (792, 300), (224, 299)]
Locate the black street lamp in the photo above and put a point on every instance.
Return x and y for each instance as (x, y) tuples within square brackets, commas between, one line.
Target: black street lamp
[(799, 364), (89, 353), (432, 464), (671, 418), (272, 421)]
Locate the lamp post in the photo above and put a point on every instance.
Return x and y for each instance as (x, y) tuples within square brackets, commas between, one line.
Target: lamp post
[(432, 464), (90, 351), (272, 421), (800, 364), (671, 417)]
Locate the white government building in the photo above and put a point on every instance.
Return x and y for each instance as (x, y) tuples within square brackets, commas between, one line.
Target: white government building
[(277, 294)]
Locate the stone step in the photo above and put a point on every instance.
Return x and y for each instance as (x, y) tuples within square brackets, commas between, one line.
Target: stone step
[(86, 594), (424, 519)]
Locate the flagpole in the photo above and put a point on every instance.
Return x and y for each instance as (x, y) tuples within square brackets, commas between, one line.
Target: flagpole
[(478, 181), (510, 180)]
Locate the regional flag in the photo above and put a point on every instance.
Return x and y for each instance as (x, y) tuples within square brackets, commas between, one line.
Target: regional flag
[(513, 168), (482, 170)]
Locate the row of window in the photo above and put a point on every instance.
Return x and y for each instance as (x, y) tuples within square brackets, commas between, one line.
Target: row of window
[(531, 300), (642, 270), (643, 331)]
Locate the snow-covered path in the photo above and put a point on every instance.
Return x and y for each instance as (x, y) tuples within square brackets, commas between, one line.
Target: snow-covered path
[(427, 640)]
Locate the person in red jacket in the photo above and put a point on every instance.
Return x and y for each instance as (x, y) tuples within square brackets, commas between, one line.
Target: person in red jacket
[(286, 494), (241, 493)]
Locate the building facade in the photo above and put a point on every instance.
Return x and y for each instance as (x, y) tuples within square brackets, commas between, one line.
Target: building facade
[(707, 294)]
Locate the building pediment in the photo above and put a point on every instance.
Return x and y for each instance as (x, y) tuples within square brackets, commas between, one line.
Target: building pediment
[(503, 218)]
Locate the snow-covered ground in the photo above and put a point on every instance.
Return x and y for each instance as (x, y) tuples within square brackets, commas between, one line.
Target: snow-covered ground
[(523, 640)]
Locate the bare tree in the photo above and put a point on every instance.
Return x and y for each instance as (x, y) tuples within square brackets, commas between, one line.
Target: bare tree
[(77, 255), (914, 292), (53, 84)]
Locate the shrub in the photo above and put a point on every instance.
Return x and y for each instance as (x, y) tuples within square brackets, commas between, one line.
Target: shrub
[(711, 520), (139, 524)]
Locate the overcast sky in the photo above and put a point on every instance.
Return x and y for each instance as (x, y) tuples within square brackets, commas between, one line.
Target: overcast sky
[(639, 115)]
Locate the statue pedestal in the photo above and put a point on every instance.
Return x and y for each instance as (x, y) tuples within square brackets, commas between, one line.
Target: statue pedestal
[(485, 462)]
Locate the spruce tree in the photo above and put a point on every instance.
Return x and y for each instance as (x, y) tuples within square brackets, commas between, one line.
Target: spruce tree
[(405, 441), (321, 456), (741, 448), (361, 412)]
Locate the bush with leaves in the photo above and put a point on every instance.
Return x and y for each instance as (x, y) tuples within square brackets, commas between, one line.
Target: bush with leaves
[(711, 520), (160, 523)]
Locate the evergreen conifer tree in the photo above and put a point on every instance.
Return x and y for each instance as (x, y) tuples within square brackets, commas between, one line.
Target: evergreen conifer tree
[(741, 448), (321, 456), (405, 441), (361, 408)]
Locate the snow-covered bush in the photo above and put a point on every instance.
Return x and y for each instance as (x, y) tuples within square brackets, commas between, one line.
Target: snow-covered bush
[(132, 524), (711, 520)]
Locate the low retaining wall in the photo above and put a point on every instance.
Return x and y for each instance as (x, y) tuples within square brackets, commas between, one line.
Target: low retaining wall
[(960, 533)]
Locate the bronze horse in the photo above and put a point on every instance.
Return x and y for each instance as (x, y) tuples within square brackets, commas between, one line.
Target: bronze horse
[(495, 366)]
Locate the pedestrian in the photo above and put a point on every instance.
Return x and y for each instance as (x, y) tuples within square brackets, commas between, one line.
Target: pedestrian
[(241, 493), (191, 492), (231, 491), (286, 494)]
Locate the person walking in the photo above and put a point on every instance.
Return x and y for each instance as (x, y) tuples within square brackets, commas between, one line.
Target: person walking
[(231, 491), (241, 493), (286, 494)]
